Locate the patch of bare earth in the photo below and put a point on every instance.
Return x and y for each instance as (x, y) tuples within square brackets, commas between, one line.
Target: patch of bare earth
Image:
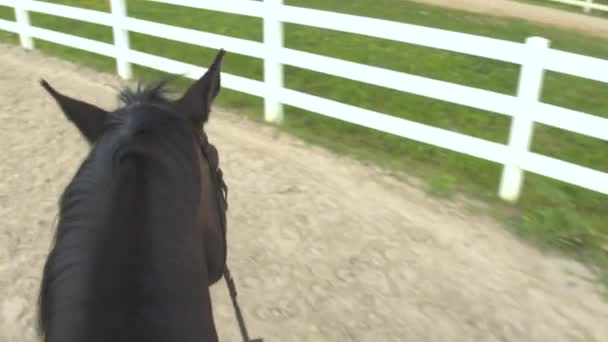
[(539, 14), (323, 248)]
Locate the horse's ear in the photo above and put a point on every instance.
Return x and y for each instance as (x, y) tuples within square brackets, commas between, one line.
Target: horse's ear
[(196, 102), (88, 118)]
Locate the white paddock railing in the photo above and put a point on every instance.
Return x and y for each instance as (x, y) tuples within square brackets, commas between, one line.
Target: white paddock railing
[(534, 56)]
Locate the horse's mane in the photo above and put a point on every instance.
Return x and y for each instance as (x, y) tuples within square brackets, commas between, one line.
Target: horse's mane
[(126, 217)]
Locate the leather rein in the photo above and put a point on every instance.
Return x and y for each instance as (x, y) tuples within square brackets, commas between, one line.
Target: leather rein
[(221, 190)]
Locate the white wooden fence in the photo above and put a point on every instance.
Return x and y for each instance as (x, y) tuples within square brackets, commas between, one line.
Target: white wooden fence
[(534, 56), (586, 5)]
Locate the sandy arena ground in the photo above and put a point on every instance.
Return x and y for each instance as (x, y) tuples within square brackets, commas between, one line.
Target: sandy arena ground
[(323, 248)]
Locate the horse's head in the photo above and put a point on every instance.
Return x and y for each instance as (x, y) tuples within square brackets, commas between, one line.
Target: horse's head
[(194, 108)]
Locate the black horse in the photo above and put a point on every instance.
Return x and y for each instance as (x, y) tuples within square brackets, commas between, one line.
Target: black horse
[(141, 230)]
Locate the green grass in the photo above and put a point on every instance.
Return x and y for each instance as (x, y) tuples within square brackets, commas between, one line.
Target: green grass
[(551, 213), (441, 185), (7, 14)]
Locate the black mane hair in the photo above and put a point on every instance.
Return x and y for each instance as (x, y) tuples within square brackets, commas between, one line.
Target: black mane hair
[(152, 93)]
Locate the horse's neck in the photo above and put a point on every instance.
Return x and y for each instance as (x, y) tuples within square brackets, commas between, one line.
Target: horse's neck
[(166, 248), (146, 274)]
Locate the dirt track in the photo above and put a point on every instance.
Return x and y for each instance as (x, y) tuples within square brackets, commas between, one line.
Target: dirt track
[(544, 15), (350, 253)]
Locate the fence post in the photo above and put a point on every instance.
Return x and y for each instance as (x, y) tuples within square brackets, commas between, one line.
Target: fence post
[(121, 38), (587, 9), (22, 16), (273, 69), (522, 127)]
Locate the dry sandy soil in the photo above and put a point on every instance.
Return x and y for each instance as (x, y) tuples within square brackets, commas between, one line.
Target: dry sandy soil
[(323, 248), (549, 16)]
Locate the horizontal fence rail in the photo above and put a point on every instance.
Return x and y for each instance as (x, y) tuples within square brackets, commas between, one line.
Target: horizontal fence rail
[(524, 108)]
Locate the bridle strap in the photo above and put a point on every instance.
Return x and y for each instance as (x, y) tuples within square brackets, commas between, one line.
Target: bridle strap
[(222, 198), (237, 309)]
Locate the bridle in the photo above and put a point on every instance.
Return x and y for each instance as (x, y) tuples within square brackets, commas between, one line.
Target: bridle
[(210, 153)]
